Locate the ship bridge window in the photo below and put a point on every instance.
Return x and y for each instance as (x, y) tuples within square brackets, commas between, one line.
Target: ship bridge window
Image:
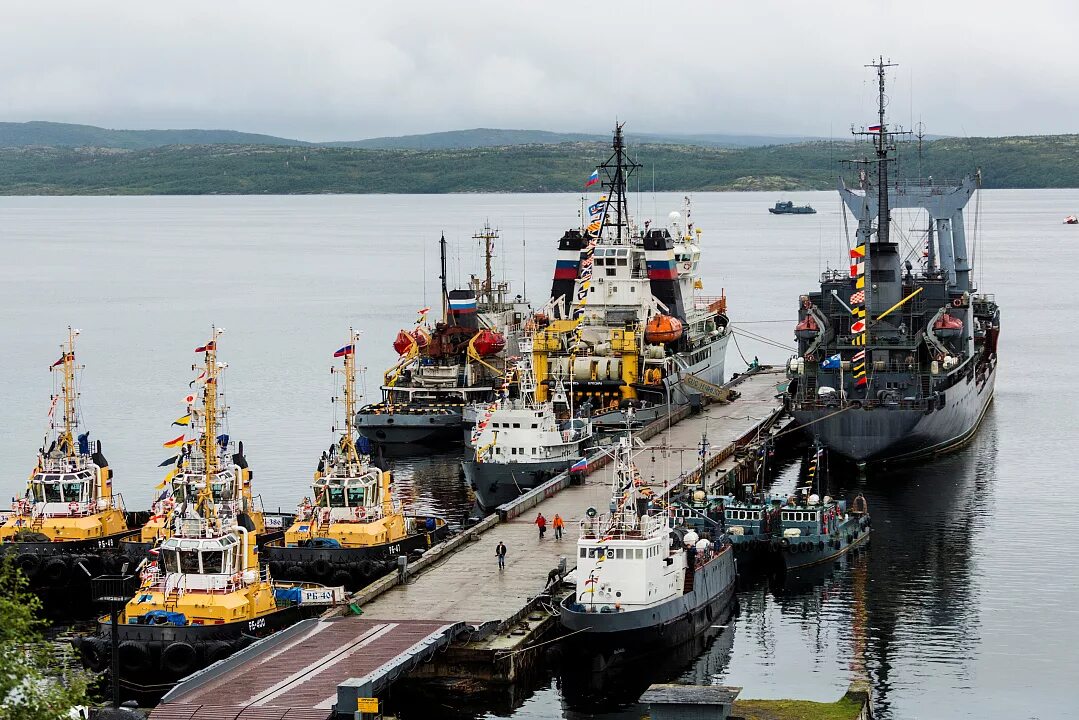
[(611, 272), (189, 561), (330, 496), (598, 261), (623, 262), (355, 496), (640, 554), (213, 562), (52, 492), (74, 490)]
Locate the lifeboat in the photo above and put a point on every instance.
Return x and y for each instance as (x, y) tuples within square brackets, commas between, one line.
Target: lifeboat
[(403, 342), (807, 328), (422, 338), (948, 326), (662, 329), (489, 342)]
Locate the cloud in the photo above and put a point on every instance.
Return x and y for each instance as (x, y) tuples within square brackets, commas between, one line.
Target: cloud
[(344, 70)]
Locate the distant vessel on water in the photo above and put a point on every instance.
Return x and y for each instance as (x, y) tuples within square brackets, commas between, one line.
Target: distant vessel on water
[(443, 369), (626, 324), (786, 207), (894, 362)]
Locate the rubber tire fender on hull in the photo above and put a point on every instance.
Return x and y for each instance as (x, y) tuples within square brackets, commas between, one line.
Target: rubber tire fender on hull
[(179, 658)]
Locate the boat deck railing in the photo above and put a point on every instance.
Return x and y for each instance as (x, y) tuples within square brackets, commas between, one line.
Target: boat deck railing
[(619, 527), (74, 509)]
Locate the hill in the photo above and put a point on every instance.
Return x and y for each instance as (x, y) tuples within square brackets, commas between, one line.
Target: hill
[(491, 137), (51, 134), (1015, 162)]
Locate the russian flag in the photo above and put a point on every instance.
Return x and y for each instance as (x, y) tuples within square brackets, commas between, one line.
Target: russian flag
[(346, 350), (579, 466), (592, 179)]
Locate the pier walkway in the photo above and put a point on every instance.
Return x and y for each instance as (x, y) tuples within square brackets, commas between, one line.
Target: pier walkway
[(305, 671)]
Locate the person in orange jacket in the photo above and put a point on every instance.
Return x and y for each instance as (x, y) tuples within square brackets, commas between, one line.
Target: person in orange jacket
[(558, 525)]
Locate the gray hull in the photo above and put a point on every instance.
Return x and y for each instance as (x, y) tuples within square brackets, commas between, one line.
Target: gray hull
[(499, 483), (664, 624), (436, 427), (882, 434)]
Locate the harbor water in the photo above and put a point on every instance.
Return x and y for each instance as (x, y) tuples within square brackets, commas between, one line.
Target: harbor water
[(961, 605)]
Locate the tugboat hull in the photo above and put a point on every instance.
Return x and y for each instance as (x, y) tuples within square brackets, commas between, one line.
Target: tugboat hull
[(60, 572), (155, 655), (882, 434), (353, 568), (804, 552), (499, 483)]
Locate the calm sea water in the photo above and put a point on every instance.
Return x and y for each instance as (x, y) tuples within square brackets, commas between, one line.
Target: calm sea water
[(963, 605)]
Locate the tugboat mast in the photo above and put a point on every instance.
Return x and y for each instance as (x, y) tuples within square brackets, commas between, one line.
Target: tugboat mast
[(442, 278), (68, 389), (486, 294), (209, 408), (350, 399)]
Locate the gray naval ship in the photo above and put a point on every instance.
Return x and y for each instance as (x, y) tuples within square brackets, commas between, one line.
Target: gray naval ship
[(642, 583), (894, 361)]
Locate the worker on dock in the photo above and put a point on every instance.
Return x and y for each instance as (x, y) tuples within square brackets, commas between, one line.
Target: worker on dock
[(541, 523), (500, 553), (558, 525)]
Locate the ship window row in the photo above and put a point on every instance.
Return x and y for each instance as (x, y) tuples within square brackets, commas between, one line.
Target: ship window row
[(743, 514), (800, 516), (508, 425), (616, 553), (610, 252), (700, 355), (622, 262)]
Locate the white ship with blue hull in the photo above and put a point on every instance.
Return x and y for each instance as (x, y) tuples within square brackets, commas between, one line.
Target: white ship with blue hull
[(641, 582), (894, 361)]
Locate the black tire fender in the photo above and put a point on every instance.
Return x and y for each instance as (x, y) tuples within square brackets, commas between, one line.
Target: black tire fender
[(134, 656), (179, 658)]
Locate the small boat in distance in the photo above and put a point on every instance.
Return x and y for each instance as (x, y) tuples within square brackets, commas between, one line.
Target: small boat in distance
[(786, 207), (1071, 220)]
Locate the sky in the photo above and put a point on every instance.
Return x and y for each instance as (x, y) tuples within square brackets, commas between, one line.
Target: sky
[(319, 70)]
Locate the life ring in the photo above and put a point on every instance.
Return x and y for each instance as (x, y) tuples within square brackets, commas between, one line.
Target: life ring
[(360, 513), (72, 507), (958, 302), (687, 266), (178, 658)]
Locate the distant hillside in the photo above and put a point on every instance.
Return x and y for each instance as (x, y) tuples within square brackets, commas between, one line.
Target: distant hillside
[(1016, 162), (490, 137), (50, 134)]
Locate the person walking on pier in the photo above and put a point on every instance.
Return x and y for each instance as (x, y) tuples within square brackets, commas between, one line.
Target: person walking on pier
[(558, 525), (500, 553), (541, 523)]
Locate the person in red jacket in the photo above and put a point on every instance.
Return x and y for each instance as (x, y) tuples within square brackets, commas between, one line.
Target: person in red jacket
[(541, 522)]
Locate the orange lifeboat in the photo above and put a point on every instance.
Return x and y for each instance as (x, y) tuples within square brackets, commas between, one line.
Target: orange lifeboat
[(422, 338), (489, 342), (948, 326), (662, 329), (403, 342), (807, 328)]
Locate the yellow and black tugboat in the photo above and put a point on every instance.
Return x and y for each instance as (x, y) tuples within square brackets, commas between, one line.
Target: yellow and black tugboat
[(353, 531), (67, 528), (209, 453), (204, 595)]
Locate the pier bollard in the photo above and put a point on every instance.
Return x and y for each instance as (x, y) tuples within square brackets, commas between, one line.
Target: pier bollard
[(402, 568)]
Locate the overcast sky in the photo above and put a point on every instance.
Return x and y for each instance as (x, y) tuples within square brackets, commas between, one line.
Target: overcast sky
[(319, 70)]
